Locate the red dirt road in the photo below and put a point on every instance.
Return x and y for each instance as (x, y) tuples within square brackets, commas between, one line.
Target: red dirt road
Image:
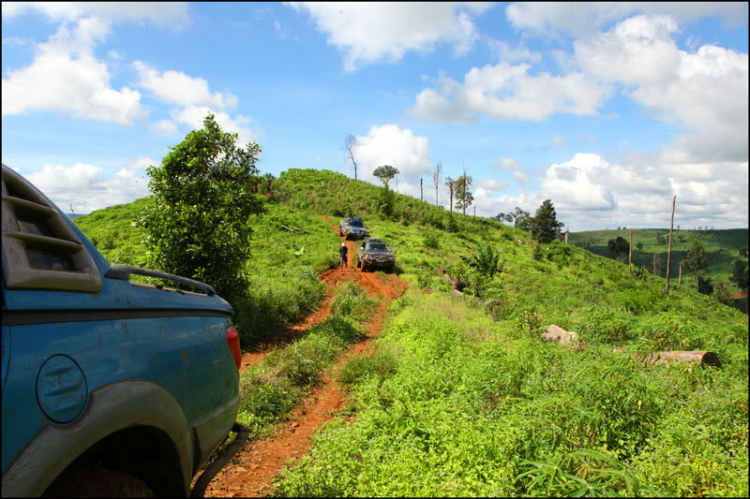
[(261, 460)]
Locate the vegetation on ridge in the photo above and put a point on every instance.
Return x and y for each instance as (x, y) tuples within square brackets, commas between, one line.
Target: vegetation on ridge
[(462, 397)]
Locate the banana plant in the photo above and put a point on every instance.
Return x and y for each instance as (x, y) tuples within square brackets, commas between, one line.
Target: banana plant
[(486, 261)]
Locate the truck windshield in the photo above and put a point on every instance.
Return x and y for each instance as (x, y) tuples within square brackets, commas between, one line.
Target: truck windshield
[(377, 247), (356, 223)]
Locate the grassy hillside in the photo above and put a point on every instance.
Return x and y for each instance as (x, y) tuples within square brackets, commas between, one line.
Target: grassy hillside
[(282, 272), (722, 247), (463, 398)]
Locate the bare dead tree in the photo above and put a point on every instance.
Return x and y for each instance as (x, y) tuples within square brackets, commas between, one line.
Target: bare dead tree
[(464, 193), (630, 257), (669, 250), (451, 185), (436, 180), (349, 145)]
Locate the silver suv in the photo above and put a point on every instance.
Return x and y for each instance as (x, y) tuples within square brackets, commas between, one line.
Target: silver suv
[(353, 228)]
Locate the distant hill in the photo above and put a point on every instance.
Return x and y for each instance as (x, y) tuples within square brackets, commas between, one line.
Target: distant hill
[(75, 215), (722, 247)]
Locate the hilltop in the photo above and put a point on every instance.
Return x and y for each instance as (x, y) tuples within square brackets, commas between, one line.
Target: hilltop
[(462, 396)]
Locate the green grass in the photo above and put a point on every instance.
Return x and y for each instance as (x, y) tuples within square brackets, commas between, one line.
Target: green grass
[(462, 398), (469, 406), (271, 389)]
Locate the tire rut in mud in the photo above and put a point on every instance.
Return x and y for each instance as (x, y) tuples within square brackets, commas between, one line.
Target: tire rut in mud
[(259, 461)]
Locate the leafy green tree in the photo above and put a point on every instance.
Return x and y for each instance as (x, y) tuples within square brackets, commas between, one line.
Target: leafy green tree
[(503, 217), (705, 286), (463, 195), (696, 259), (385, 173), (521, 219), (204, 194), (618, 247), (739, 274), (544, 226), (639, 246)]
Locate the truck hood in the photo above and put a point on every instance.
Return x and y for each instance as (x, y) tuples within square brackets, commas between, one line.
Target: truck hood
[(378, 253)]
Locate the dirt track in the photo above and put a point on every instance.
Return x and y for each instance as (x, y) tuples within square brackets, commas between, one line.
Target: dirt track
[(260, 461)]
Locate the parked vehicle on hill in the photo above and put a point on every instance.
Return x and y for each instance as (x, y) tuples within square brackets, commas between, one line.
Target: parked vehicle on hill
[(374, 253), (106, 382), (353, 228)]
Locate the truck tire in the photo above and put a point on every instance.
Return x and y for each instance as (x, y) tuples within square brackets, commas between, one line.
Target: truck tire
[(98, 482), (364, 267)]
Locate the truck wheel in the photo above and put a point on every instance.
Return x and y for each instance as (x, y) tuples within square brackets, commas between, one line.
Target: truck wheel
[(359, 264), (364, 267), (98, 482)]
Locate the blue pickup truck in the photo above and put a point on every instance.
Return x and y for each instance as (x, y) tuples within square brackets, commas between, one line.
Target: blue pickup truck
[(106, 381)]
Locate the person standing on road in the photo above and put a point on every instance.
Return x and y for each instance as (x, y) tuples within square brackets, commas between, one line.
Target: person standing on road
[(343, 251)]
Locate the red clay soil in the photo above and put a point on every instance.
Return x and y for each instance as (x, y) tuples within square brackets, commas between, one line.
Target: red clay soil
[(260, 461)]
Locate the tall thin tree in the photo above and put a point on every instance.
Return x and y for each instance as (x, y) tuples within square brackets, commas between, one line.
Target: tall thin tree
[(436, 180), (451, 185), (349, 144), (669, 250), (630, 251), (464, 193)]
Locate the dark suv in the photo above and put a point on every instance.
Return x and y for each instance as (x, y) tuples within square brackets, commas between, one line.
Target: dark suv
[(374, 253)]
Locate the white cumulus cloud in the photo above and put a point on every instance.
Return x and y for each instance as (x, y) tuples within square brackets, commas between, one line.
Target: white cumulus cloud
[(391, 145), (86, 188), (66, 77), (510, 164), (176, 87), (706, 90), (372, 32), (508, 91), (585, 18)]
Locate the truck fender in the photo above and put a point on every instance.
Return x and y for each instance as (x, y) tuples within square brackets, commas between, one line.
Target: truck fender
[(111, 408)]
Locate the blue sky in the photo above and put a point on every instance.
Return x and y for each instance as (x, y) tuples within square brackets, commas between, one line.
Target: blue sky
[(607, 109)]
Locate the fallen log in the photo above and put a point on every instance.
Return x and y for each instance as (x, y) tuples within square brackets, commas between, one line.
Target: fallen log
[(704, 358), (559, 335)]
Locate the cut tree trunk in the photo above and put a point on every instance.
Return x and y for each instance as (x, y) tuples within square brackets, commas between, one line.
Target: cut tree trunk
[(704, 358)]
